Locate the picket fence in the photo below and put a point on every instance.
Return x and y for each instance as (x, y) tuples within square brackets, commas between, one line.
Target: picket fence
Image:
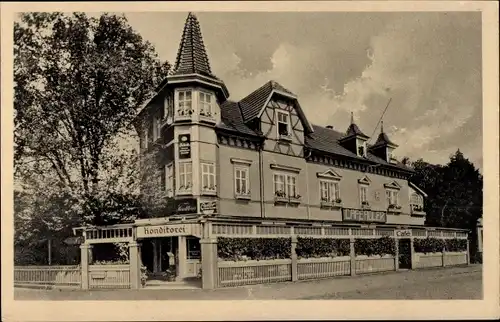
[(68, 275), (100, 276)]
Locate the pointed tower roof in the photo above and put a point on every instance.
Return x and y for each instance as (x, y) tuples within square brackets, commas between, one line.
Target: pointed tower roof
[(383, 139), (192, 56), (353, 130)]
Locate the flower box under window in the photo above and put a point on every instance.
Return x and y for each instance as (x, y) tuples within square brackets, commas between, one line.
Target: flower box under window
[(326, 203), (185, 189), (295, 199), (209, 189), (417, 210), (365, 205), (280, 197), (394, 208), (243, 195)]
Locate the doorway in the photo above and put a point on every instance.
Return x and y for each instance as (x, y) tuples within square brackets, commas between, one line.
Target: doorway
[(404, 253), (159, 255)]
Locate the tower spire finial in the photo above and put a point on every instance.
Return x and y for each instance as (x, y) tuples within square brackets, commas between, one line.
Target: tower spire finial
[(352, 117), (381, 126)]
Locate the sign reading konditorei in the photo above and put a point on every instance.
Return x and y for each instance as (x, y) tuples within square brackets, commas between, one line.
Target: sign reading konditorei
[(164, 230), (184, 146), (361, 215)]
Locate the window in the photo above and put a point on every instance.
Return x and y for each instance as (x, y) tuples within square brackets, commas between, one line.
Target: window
[(208, 177), (283, 124), (392, 197), (363, 194), (329, 191), (167, 107), (241, 181), (285, 185), (169, 180), (206, 104), (156, 127), (185, 176), (185, 103)]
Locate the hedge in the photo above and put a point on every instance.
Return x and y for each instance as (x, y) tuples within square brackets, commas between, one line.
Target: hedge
[(456, 245), (321, 247), (253, 248), (380, 246), (428, 245)]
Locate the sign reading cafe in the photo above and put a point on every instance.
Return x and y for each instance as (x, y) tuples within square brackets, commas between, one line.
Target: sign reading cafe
[(361, 215)]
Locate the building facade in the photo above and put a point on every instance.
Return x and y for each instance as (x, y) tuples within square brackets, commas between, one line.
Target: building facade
[(256, 168), (261, 158)]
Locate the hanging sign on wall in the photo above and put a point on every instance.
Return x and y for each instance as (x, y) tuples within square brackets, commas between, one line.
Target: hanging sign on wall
[(184, 146)]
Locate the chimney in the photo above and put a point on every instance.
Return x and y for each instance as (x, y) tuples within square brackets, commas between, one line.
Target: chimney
[(329, 127)]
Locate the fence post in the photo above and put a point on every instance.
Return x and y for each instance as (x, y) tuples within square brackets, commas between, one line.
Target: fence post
[(353, 255), (135, 269), (295, 275), (412, 253), (209, 268), (396, 254), (468, 251), (443, 254), (85, 250)]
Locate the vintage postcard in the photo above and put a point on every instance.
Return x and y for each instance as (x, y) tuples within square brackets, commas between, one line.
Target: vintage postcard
[(209, 160)]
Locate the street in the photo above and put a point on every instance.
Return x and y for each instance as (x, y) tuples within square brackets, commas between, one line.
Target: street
[(439, 283)]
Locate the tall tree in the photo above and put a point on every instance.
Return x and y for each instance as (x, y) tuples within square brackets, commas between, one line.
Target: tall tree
[(455, 192), (78, 83)]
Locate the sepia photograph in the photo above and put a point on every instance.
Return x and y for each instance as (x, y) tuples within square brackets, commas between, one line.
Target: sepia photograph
[(226, 155)]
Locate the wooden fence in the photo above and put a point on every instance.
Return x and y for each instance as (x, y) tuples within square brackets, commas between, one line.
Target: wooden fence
[(317, 268), (109, 276), (70, 276)]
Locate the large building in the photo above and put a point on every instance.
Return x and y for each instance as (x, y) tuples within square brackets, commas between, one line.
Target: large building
[(259, 160)]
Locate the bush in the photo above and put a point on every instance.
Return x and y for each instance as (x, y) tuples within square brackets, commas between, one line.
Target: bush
[(253, 248), (322, 247), (456, 245), (428, 245), (380, 246)]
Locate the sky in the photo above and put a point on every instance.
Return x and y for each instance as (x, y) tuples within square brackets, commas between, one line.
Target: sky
[(427, 63)]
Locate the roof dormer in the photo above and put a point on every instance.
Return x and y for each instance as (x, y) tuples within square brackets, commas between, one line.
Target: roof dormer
[(383, 147), (354, 139)]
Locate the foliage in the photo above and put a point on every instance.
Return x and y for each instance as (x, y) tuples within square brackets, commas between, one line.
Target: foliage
[(78, 82), (253, 248), (428, 245), (322, 247), (455, 245), (111, 262), (144, 275), (455, 192), (380, 246)]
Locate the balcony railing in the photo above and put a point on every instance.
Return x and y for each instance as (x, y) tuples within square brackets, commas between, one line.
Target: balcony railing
[(417, 210)]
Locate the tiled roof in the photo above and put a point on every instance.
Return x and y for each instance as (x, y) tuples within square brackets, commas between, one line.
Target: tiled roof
[(383, 139), (254, 102), (232, 119), (353, 130), (327, 140), (192, 56)]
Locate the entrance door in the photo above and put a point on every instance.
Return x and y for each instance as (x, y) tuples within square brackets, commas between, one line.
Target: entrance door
[(405, 253)]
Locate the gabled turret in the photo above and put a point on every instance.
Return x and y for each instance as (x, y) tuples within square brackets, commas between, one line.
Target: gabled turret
[(383, 147), (354, 139)]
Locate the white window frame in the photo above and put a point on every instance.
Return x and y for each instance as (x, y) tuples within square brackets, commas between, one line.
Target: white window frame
[(278, 122), (392, 197), (169, 179), (182, 104), (286, 184), (238, 181), (206, 109), (329, 190), (210, 176), (185, 182), (363, 187), (156, 127)]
